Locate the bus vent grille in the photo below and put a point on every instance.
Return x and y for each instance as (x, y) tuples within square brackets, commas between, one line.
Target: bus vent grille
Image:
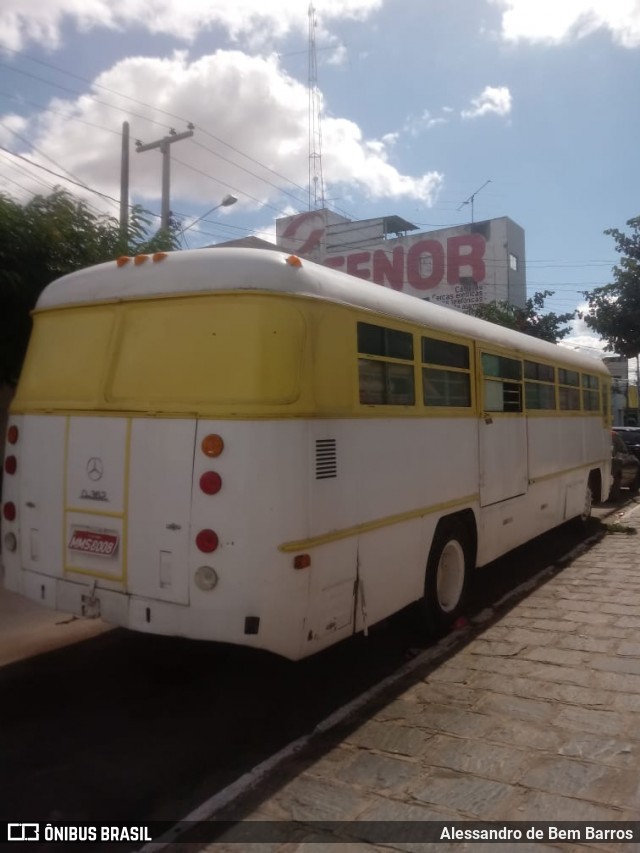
[(326, 458)]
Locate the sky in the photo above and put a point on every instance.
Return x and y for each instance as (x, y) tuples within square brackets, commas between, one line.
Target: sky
[(531, 107)]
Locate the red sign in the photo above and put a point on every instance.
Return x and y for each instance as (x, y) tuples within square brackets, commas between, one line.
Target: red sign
[(98, 543), (423, 265)]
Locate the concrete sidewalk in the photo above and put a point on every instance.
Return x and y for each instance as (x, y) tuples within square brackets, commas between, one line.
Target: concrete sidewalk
[(536, 718), (26, 629)]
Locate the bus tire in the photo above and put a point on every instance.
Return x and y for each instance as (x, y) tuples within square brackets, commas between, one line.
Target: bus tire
[(447, 577)]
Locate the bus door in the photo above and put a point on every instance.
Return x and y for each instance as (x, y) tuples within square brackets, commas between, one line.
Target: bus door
[(502, 433), (128, 500)]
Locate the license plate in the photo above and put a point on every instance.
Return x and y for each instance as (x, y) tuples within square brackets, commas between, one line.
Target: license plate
[(99, 543)]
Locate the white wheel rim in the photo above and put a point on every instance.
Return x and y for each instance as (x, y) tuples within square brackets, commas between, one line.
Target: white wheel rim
[(450, 576)]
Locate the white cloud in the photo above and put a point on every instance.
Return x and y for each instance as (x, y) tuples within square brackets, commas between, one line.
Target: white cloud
[(249, 102), (583, 338), (350, 160), (22, 21), (494, 100), (556, 21), (415, 125)]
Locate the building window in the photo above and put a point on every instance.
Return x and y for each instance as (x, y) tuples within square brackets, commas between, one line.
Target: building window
[(513, 262)]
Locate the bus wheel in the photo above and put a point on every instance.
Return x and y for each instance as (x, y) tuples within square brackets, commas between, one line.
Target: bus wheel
[(447, 576)]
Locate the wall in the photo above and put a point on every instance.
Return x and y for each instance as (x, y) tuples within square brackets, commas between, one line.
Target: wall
[(459, 267)]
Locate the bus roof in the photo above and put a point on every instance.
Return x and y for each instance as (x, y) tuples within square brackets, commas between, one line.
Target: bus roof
[(208, 270)]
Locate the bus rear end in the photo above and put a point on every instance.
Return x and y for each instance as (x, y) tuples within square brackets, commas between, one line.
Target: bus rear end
[(152, 469), (150, 524)]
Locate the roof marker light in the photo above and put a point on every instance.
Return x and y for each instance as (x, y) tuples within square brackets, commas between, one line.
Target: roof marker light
[(140, 259), (159, 256), (122, 260), (294, 261)]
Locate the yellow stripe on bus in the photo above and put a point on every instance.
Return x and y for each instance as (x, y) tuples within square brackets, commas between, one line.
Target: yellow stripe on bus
[(376, 524)]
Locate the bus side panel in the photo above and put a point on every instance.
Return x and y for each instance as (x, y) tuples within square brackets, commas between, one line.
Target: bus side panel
[(543, 436), (425, 467)]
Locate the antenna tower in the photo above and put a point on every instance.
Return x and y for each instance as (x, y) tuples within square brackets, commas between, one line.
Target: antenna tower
[(472, 197), (316, 181)]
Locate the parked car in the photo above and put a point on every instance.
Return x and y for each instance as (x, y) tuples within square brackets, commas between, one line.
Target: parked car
[(625, 467), (631, 437)]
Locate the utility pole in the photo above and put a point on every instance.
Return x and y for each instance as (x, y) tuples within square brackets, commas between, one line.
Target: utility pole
[(164, 144)]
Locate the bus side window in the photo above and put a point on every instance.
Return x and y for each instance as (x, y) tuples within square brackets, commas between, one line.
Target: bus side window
[(540, 387), (590, 393), (502, 383), (569, 390), (387, 378), (450, 386)]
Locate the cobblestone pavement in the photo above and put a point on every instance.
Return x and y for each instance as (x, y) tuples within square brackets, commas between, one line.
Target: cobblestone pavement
[(536, 718)]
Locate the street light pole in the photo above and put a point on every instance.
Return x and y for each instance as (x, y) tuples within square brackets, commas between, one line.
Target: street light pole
[(227, 201)]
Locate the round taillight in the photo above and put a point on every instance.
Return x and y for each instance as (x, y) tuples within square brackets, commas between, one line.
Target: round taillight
[(207, 541), (12, 434), (10, 464), (10, 542), (212, 445), (210, 483), (206, 578), (9, 511)]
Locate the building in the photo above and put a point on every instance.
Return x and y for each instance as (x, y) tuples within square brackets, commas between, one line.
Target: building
[(459, 267)]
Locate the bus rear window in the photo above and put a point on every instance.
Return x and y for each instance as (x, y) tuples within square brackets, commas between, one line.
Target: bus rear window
[(66, 357), (213, 349)]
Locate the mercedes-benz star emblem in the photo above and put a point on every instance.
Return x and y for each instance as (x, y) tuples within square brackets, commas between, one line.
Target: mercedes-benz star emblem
[(95, 468)]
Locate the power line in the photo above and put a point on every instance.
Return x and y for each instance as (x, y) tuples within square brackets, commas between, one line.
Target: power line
[(146, 118)]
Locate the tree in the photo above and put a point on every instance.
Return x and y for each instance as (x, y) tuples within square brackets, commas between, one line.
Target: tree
[(614, 309), (49, 237), (530, 319)]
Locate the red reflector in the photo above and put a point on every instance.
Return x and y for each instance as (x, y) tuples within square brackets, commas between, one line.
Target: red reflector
[(12, 434), (302, 561), (9, 511), (207, 541), (210, 483), (10, 464)]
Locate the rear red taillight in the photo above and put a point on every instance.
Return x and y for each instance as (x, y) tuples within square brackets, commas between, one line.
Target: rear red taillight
[(10, 464), (210, 483), (12, 434), (9, 511), (207, 541)]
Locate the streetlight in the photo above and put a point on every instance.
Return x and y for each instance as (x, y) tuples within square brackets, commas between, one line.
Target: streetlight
[(227, 201)]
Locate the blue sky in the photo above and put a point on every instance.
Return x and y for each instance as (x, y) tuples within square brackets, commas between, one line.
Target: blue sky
[(423, 103)]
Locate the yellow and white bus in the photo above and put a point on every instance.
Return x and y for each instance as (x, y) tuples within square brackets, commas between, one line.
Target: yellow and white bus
[(241, 446)]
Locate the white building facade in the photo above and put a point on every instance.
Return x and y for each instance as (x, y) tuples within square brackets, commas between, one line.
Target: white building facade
[(460, 267)]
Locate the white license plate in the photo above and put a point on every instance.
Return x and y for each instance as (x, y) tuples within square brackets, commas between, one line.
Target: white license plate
[(99, 543)]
